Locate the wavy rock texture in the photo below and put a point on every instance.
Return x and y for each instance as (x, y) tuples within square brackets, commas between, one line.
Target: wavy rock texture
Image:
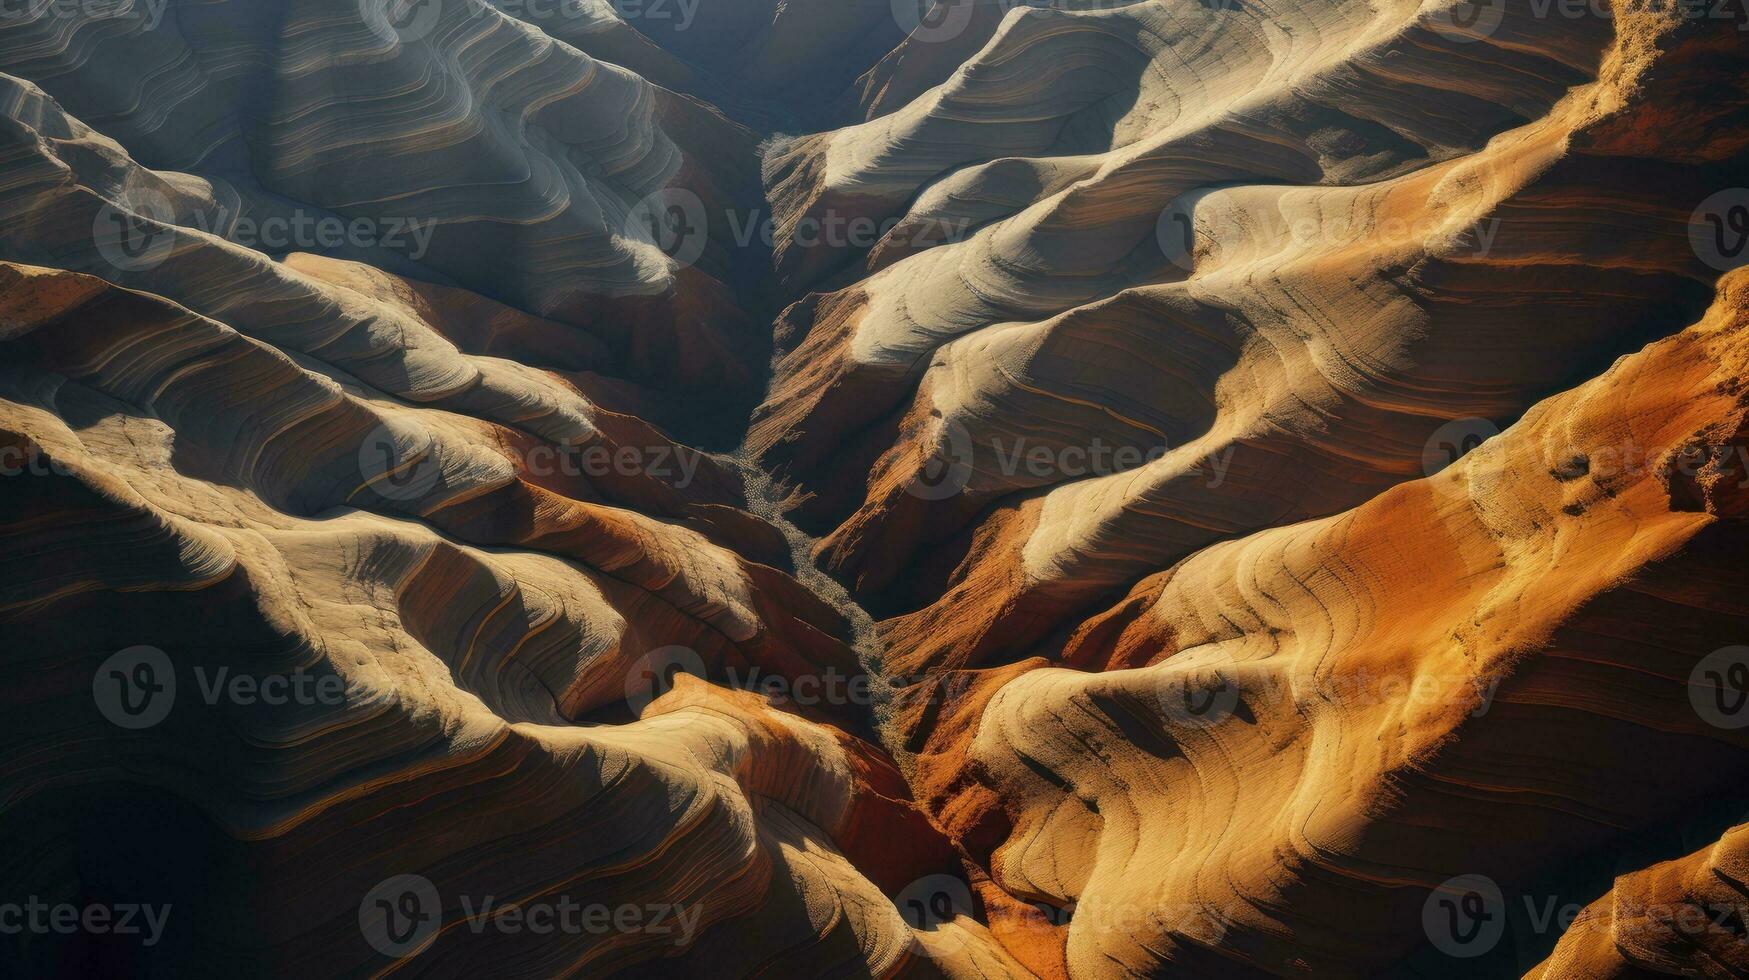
[(1397, 681), (1241, 487), (1678, 918), (481, 153), (217, 480), (1392, 246)]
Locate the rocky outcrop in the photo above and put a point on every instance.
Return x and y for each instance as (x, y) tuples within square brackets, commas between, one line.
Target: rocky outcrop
[(491, 156), (1315, 726), (228, 513), (1242, 489), (1679, 918)]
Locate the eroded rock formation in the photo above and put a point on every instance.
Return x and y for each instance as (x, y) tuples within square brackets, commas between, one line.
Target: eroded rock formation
[(1242, 489)]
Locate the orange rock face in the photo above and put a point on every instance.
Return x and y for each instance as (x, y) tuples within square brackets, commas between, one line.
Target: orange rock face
[(1060, 489)]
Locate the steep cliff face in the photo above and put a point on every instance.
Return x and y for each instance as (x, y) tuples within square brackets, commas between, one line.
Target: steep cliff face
[(1142, 488)]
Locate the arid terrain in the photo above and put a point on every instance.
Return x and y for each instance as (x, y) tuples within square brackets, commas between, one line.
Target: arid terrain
[(895, 488)]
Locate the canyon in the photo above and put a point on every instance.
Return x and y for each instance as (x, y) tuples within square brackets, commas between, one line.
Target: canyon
[(967, 488)]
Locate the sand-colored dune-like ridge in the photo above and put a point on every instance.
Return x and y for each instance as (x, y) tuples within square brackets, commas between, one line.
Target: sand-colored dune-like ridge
[(1088, 488)]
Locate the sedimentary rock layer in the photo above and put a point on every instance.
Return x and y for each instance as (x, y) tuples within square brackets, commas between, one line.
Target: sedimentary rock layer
[(244, 512), (1243, 489)]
